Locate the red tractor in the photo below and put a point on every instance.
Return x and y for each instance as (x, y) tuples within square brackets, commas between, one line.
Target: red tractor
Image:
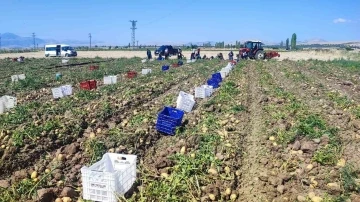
[(254, 50)]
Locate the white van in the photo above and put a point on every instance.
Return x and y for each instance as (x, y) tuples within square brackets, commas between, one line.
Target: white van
[(59, 50)]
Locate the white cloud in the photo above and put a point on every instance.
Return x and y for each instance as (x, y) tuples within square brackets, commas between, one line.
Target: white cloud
[(341, 20)]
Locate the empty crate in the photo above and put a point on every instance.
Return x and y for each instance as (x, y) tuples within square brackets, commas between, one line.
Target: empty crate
[(168, 119), (94, 67), (185, 101), (109, 178), (61, 91), (131, 74), (88, 85), (110, 80), (7, 102), (145, 71), (214, 83), (165, 67), (15, 78), (216, 76), (203, 91)]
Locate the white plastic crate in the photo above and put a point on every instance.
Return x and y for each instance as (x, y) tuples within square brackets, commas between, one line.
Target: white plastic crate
[(57, 92), (229, 65), (2, 106), (208, 90), (14, 78), (64, 61), (223, 74), (145, 71), (8, 101), (190, 61), (185, 101), (110, 80), (143, 60), (66, 90), (200, 92), (21, 76), (108, 178)]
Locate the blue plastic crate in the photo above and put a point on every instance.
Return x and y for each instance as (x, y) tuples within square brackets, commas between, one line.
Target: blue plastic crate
[(165, 129), (214, 83), (217, 76), (165, 67), (164, 122), (172, 115)]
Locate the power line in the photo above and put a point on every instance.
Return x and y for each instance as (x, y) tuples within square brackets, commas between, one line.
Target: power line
[(33, 35), (133, 23), (90, 39)]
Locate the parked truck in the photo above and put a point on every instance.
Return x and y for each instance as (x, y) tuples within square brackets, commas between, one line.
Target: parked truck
[(161, 50)]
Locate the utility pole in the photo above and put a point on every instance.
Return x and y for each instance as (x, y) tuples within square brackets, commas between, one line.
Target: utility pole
[(0, 41), (90, 39), (33, 35), (133, 23), (137, 44)]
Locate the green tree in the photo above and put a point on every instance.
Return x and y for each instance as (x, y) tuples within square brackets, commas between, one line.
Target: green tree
[(287, 43), (293, 41)]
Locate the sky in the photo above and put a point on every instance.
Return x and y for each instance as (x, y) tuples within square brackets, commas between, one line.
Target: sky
[(182, 21)]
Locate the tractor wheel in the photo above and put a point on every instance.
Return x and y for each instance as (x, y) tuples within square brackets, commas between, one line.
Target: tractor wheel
[(260, 55)]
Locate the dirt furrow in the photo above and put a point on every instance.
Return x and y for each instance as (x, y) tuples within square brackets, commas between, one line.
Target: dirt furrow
[(253, 150)]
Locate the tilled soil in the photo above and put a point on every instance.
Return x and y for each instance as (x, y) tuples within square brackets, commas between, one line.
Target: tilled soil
[(231, 147)]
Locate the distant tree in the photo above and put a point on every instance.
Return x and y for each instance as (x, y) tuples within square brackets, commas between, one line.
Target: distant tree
[(293, 41), (96, 46), (129, 45), (109, 47), (287, 44), (281, 44)]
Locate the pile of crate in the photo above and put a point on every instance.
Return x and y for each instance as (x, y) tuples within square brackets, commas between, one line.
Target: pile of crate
[(170, 118)]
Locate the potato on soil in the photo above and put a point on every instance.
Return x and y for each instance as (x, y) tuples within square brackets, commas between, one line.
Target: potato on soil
[(66, 199), (58, 200), (227, 191), (212, 171), (34, 175), (212, 197)]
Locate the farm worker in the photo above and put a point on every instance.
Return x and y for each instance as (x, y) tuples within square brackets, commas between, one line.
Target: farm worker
[(166, 53), (192, 56), (148, 52), (244, 55), (220, 56), (180, 56), (160, 58), (197, 55), (231, 54)]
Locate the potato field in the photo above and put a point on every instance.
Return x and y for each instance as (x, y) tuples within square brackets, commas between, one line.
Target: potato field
[(273, 131)]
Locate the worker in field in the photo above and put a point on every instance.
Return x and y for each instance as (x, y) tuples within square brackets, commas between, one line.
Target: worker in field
[(166, 53), (197, 54), (192, 56), (231, 56), (220, 56), (148, 53)]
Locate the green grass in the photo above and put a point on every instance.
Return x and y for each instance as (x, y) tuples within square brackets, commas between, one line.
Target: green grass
[(95, 149)]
